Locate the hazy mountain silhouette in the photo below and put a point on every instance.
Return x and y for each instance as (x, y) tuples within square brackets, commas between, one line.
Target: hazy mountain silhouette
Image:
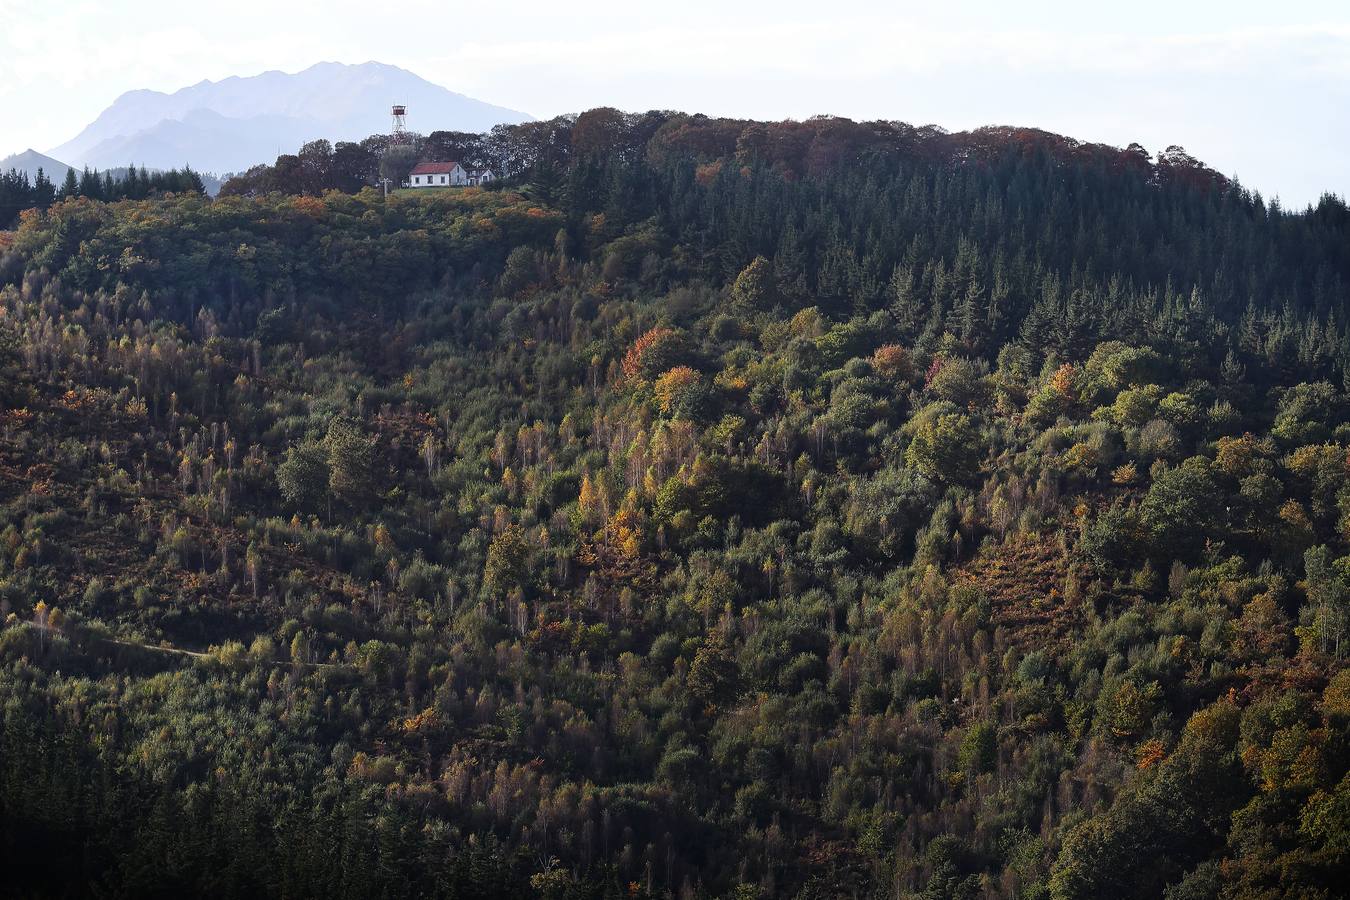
[(30, 161), (229, 125)]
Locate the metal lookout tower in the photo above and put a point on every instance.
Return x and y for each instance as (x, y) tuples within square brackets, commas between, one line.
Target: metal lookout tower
[(398, 136)]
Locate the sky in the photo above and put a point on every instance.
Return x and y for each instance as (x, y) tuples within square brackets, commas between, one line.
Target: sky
[(1259, 90)]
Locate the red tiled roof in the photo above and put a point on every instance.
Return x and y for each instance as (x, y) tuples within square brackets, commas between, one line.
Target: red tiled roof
[(434, 168)]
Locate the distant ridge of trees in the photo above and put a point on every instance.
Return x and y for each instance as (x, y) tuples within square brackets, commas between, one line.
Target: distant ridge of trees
[(793, 149), (18, 193)]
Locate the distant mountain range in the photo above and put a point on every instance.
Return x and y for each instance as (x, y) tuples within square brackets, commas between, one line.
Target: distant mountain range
[(229, 125)]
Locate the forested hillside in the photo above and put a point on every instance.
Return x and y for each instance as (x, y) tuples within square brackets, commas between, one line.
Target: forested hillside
[(710, 509)]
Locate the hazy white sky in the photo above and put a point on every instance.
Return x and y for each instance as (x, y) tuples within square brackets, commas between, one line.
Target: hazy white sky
[(1256, 89)]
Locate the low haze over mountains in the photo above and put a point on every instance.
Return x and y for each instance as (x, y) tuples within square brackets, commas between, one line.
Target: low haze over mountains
[(229, 125)]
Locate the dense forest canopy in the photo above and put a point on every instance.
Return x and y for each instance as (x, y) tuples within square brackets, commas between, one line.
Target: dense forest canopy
[(707, 509)]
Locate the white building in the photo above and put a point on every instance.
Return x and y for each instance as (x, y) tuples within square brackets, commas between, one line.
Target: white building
[(447, 174), (438, 174)]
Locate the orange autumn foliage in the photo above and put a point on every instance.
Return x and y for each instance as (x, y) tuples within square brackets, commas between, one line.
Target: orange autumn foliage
[(670, 385), (1062, 381), (632, 360), (894, 362)]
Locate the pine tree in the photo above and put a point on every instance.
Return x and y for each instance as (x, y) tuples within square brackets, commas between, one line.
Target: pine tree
[(70, 187), (756, 288), (44, 192), (90, 185)]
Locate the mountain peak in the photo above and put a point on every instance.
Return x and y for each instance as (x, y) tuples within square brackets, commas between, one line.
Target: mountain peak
[(30, 160)]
